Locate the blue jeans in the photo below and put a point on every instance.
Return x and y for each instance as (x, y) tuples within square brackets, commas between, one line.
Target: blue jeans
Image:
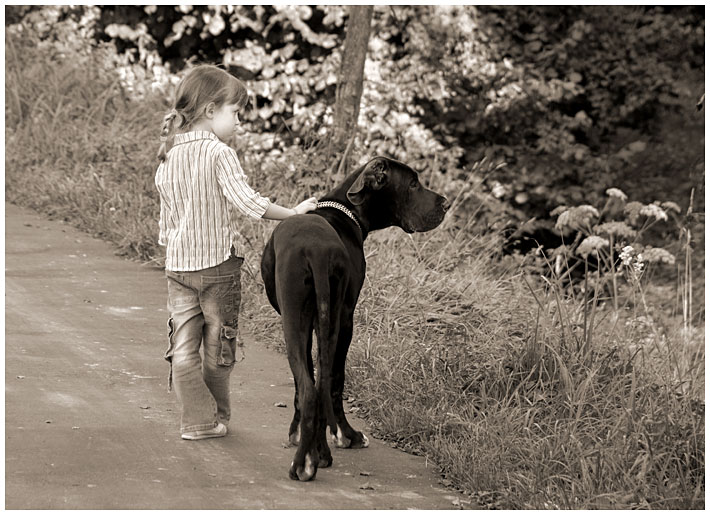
[(203, 307)]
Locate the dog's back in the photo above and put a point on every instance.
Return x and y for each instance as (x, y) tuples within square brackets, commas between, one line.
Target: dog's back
[(299, 246)]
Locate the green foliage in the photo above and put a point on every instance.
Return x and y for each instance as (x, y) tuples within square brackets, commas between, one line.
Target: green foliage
[(568, 97), (548, 90), (285, 53)]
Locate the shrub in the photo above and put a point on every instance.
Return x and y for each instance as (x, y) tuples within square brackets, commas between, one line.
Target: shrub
[(568, 97)]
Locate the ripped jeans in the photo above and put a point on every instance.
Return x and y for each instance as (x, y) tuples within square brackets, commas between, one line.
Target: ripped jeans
[(203, 307)]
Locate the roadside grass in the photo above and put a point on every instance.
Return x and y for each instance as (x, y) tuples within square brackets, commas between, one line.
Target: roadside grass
[(77, 149), (485, 371), (458, 362)]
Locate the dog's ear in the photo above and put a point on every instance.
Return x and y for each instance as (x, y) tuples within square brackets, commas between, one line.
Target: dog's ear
[(373, 177)]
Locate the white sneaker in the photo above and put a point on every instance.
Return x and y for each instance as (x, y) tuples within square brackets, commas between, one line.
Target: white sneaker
[(217, 431)]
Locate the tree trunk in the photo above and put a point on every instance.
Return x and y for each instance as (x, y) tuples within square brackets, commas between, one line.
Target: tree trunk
[(349, 90)]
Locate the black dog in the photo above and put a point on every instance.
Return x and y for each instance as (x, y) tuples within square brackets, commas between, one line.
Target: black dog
[(313, 268)]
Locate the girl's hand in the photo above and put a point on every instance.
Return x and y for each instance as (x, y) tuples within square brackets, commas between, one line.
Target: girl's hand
[(306, 206)]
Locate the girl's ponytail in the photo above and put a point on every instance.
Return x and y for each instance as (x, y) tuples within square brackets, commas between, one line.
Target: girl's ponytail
[(165, 132)]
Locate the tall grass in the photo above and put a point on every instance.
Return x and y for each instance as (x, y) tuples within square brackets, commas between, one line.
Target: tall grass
[(490, 373), (77, 149)]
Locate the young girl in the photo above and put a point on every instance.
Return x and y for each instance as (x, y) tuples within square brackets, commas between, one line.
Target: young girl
[(203, 190)]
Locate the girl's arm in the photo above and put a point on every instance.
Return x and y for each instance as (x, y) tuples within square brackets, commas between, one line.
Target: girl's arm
[(276, 212), (232, 180), (234, 186)]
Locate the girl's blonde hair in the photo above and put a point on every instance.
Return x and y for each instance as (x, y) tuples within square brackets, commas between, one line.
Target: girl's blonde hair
[(202, 85)]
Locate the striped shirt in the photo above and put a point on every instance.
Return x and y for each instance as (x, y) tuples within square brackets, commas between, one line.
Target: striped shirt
[(203, 190)]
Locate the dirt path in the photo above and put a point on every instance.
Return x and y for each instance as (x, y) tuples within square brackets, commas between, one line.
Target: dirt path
[(89, 423)]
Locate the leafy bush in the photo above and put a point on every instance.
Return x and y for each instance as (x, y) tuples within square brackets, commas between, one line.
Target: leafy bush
[(552, 91), (568, 97), (283, 52)]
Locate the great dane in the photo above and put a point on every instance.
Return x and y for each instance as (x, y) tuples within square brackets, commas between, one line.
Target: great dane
[(313, 269)]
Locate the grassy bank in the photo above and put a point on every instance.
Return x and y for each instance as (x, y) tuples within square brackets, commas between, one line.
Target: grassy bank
[(484, 370)]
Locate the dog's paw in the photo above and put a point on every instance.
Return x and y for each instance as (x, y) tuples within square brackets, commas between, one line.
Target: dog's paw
[(356, 440), (325, 461), (295, 438), (306, 471), (292, 472), (360, 441), (341, 441)]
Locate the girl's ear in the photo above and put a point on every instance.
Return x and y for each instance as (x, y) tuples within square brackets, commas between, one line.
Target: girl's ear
[(209, 110)]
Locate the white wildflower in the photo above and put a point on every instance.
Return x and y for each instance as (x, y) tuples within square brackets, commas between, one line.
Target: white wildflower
[(627, 255), (558, 210), (671, 206), (615, 229), (635, 267), (616, 192), (654, 211), (638, 266), (576, 217), (591, 244), (498, 190), (632, 210), (656, 255)]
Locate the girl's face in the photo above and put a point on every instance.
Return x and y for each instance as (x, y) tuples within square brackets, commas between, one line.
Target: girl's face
[(225, 120)]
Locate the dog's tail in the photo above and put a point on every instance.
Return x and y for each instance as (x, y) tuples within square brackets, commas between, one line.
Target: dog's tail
[(329, 296)]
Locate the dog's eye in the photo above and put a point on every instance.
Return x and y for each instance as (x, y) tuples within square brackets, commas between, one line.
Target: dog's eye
[(414, 184)]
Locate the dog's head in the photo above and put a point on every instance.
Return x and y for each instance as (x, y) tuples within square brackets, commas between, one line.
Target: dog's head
[(392, 190)]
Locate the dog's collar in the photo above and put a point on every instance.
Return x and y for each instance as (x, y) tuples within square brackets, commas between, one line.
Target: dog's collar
[(340, 207)]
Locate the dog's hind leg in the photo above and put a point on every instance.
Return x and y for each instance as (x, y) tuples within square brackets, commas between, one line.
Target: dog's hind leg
[(346, 437), (294, 431), (297, 321), (305, 461), (330, 292)]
